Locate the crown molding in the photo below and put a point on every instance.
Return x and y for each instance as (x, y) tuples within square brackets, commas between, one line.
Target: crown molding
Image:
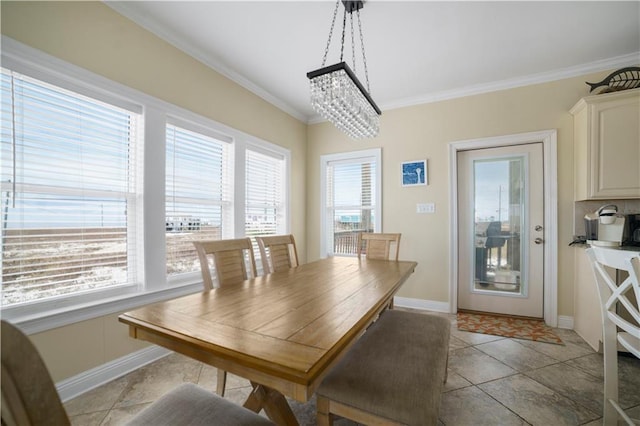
[(125, 9), (545, 77), (527, 80)]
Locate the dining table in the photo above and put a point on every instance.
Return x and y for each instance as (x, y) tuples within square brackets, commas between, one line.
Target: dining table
[(282, 331)]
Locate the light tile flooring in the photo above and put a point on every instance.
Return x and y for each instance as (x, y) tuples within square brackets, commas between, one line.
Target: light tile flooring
[(491, 381)]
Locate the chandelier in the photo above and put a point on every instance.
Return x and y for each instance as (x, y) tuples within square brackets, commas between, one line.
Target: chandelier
[(337, 94)]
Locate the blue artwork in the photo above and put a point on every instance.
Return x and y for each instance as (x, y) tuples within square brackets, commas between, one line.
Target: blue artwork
[(414, 173)]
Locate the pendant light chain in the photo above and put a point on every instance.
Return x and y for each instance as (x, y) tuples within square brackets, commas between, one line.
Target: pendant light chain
[(364, 57), (333, 21), (344, 25), (336, 93), (353, 47), (353, 44)]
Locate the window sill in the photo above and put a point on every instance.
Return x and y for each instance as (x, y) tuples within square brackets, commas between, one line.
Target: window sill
[(31, 322)]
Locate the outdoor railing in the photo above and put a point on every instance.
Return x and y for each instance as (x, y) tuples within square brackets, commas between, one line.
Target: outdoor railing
[(346, 242)]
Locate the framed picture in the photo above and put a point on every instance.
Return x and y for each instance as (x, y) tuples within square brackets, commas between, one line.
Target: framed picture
[(414, 173)]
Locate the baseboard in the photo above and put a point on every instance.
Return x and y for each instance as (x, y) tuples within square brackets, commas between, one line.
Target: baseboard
[(427, 305), (431, 305), (98, 376), (565, 322)]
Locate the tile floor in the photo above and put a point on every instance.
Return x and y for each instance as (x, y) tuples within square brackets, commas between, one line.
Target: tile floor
[(492, 381)]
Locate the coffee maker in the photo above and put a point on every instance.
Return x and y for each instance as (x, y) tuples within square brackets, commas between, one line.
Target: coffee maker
[(632, 237), (605, 227)]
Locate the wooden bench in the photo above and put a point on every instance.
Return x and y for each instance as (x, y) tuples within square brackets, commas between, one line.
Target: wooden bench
[(393, 375)]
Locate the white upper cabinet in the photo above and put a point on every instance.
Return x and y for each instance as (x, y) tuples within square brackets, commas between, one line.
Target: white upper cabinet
[(607, 146)]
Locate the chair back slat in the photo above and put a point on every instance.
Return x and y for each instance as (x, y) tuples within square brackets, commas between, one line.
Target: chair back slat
[(378, 245), (233, 261), (278, 252)]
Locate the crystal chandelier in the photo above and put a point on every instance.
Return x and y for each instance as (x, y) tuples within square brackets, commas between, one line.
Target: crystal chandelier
[(337, 94)]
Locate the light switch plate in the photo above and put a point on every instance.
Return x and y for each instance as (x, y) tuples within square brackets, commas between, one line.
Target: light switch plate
[(425, 208)]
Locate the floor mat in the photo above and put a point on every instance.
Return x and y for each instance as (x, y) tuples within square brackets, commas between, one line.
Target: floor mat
[(520, 328)]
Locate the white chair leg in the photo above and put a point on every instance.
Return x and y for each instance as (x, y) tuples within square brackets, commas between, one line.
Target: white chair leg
[(627, 419), (610, 413)]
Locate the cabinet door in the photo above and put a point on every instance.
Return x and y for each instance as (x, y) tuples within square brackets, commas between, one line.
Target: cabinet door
[(615, 148), (587, 314)]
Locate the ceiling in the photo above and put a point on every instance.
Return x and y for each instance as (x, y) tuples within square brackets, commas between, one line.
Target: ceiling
[(417, 51)]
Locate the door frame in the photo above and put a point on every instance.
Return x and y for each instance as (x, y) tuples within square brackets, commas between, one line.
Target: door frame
[(548, 138)]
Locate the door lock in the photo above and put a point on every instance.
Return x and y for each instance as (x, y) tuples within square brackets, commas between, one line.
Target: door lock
[(538, 240), (538, 228)]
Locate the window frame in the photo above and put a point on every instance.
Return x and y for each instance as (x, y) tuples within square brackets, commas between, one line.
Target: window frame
[(57, 190), (376, 155), (154, 285)]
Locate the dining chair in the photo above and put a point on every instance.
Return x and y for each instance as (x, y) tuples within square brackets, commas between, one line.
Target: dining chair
[(494, 240), (378, 245), (617, 329), (277, 252), (29, 396), (233, 262)]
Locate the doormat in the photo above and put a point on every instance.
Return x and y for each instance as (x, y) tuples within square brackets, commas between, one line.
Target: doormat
[(520, 328)]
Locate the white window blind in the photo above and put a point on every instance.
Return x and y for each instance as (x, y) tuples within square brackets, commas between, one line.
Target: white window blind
[(265, 200), (68, 192), (198, 195), (351, 203)]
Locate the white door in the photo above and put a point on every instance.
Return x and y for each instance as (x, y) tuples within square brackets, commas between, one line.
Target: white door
[(500, 230)]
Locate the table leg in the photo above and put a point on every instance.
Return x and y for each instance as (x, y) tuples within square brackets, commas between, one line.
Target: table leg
[(254, 401), (273, 403)]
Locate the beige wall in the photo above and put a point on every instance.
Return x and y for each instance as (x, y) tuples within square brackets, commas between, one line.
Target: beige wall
[(79, 347), (93, 36), (424, 131)]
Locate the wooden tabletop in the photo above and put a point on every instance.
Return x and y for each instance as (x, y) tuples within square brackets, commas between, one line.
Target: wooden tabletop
[(283, 330)]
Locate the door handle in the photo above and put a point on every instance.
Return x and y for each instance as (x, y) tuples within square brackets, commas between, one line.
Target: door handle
[(538, 240)]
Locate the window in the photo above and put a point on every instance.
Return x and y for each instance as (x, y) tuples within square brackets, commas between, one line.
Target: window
[(265, 212), (68, 179), (265, 206), (350, 199), (198, 195), (103, 189)]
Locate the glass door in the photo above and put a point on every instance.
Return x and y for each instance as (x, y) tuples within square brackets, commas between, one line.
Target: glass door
[(500, 225)]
